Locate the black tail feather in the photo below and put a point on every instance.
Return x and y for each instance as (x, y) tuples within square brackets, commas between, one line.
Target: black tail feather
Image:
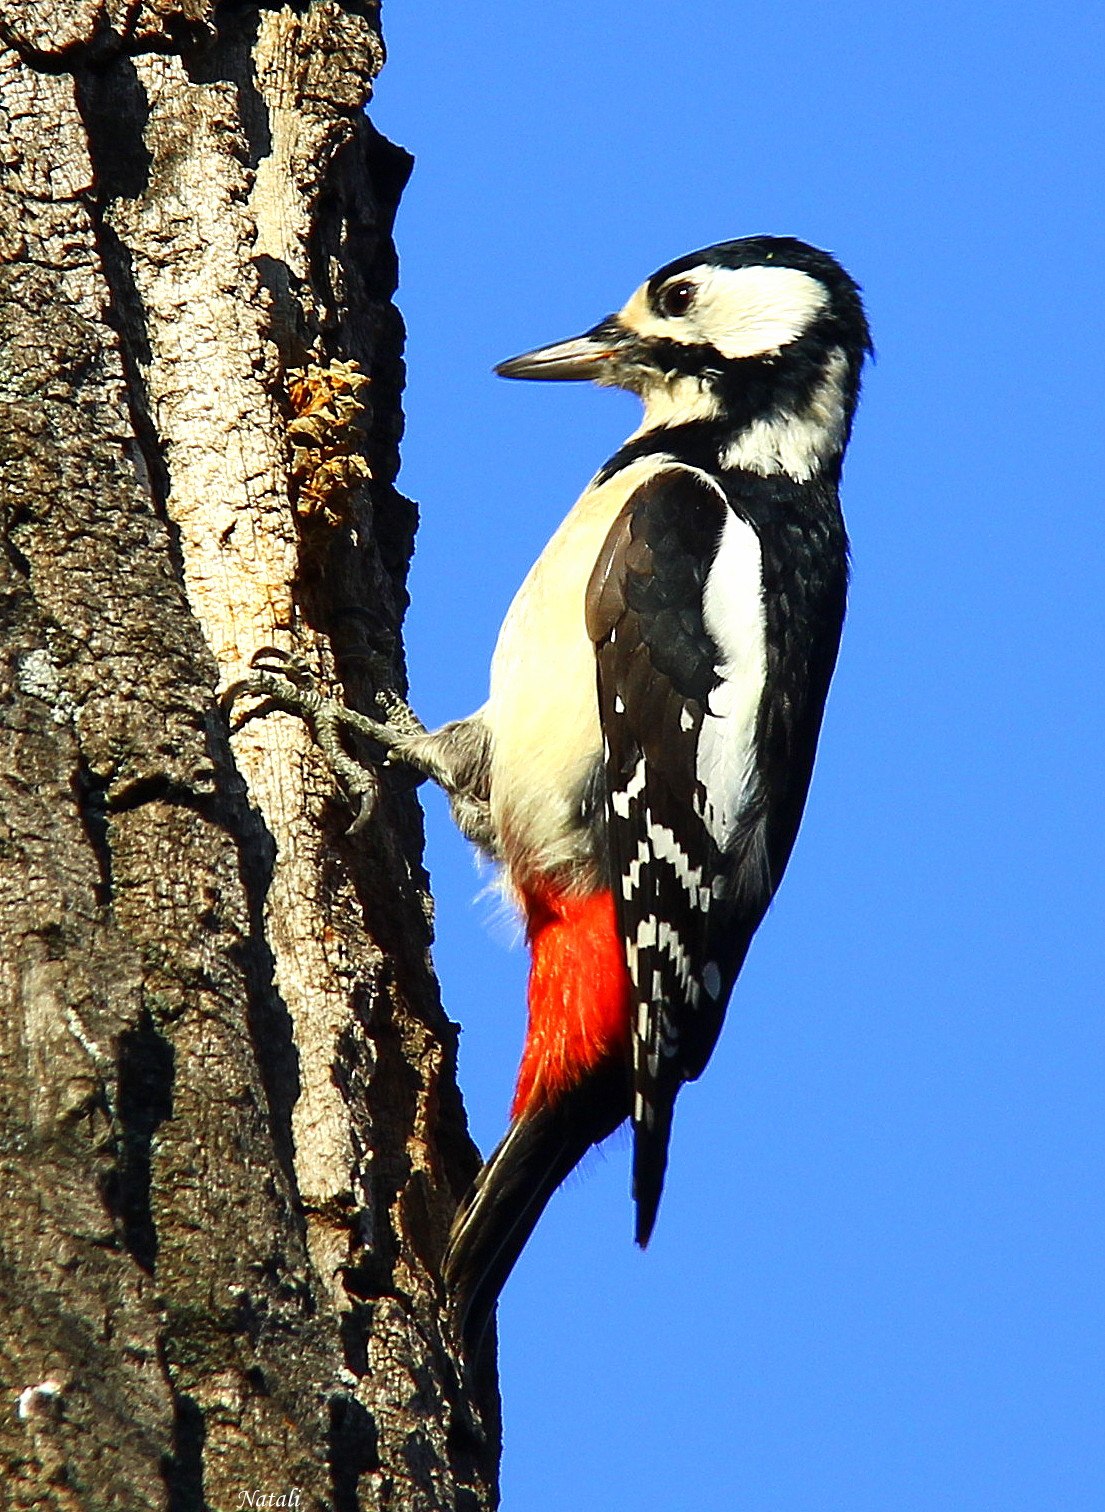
[(650, 1162), (511, 1192)]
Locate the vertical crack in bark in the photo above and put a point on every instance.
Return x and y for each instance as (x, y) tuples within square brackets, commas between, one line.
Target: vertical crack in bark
[(182, 1467), (115, 112), (144, 1100), (270, 1024), (354, 1450), (91, 796)]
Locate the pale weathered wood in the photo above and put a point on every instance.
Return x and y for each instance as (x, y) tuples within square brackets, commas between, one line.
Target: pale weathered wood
[(231, 1138)]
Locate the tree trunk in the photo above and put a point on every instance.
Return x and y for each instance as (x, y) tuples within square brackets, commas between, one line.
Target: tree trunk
[(230, 1134)]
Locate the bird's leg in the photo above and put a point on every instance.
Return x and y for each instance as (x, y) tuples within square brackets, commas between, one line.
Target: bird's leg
[(454, 757)]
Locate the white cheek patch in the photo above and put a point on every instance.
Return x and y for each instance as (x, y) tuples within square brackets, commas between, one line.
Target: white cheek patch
[(747, 312), (741, 312)]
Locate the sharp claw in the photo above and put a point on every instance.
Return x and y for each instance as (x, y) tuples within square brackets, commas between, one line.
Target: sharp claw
[(283, 681), (269, 653), (366, 808), (286, 664), (231, 694)]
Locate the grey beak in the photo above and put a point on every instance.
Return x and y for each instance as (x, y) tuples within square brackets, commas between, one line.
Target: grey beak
[(591, 356)]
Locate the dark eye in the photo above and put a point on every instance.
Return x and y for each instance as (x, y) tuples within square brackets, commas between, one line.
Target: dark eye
[(677, 298)]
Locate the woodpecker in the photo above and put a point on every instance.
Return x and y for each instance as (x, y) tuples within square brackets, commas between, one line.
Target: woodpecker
[(641, 764)]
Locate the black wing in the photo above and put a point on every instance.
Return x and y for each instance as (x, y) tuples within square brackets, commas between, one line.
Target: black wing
[(688, 898)]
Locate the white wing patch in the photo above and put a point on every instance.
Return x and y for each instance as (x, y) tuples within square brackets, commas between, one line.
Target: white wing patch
[(733, 611)]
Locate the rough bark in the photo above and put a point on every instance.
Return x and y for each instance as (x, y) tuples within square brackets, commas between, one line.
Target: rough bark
[(230, 1135)]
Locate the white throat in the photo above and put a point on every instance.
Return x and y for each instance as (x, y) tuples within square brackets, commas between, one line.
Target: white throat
[(677, 401)]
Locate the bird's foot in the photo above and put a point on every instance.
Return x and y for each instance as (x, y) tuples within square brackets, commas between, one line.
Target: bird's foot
[(283, 681)]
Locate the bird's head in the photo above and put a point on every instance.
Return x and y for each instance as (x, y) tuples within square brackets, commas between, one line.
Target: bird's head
[(760, 340)]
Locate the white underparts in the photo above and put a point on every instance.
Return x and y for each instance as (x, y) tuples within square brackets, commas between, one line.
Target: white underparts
[(798, 444), (544, 723)]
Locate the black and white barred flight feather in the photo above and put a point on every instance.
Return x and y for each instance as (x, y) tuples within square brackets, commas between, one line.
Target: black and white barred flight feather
[(684, 818), (710, 697)]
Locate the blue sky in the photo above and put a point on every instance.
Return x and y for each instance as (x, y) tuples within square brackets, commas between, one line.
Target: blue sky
[(876, 1282)]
